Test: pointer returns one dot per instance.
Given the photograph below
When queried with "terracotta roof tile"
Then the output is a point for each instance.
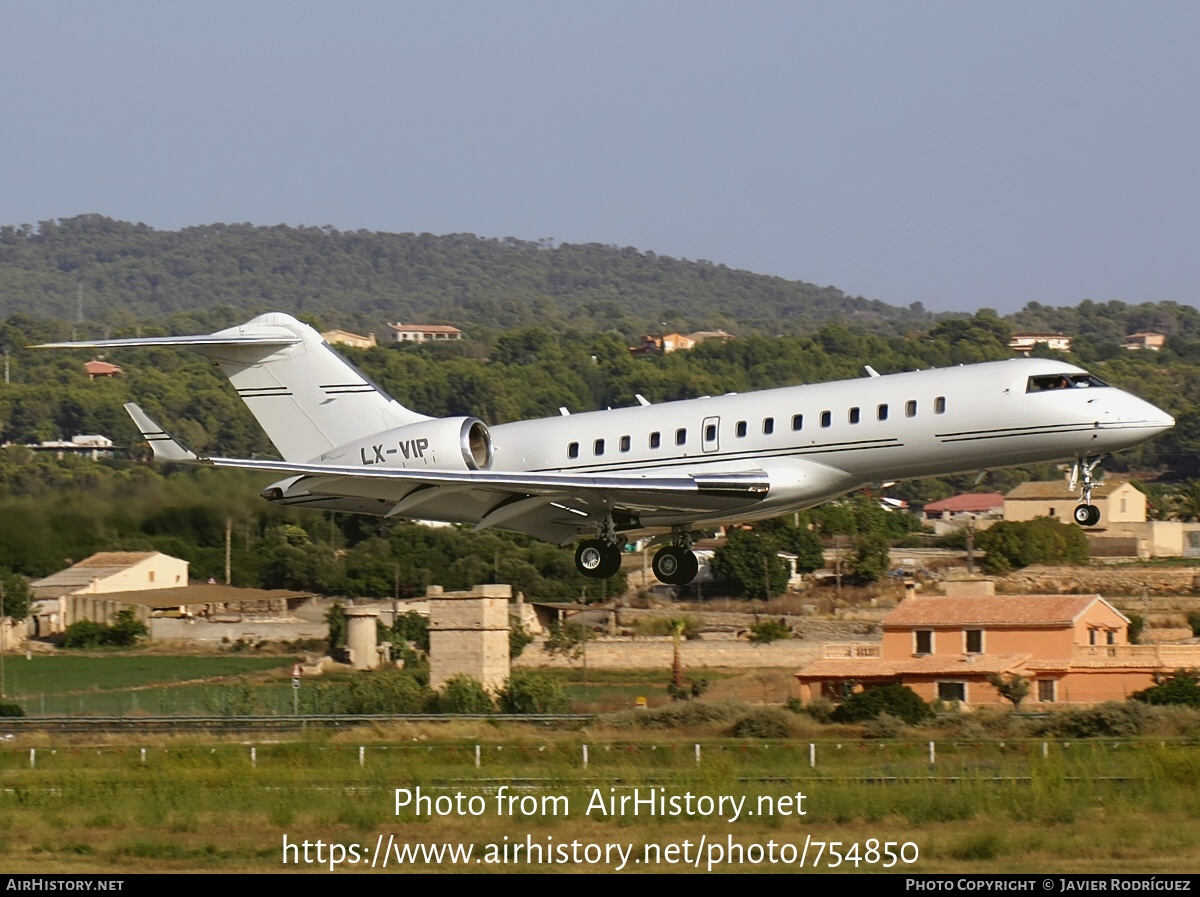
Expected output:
(995, 610)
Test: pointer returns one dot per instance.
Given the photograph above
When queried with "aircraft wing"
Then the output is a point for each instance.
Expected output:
(553, 506)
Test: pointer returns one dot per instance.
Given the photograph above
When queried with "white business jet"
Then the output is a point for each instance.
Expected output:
(664, 469)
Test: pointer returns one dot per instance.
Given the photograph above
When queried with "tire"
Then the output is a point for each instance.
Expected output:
(675, 566)
(689, 568)
(612, 561)
(590, 558)
(667, 564)
(1094, 517)
(1083, 515)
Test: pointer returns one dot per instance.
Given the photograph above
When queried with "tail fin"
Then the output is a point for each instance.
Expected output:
(305, 396)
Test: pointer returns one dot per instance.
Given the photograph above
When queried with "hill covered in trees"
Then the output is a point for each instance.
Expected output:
(126, 273)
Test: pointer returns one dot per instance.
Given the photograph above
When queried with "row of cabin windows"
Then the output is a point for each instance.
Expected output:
(854, 416)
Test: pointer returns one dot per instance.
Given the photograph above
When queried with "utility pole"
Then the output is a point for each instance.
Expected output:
(228, 551)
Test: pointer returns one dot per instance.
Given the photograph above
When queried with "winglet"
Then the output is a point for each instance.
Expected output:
(161, 442)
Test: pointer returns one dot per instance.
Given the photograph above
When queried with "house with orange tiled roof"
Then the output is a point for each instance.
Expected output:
(1075, 649)
(98, 368)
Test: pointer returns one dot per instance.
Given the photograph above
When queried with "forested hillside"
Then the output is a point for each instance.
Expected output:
(127, 273)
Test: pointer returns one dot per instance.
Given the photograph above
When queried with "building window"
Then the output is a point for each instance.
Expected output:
(1046, 691)
(681, 436)
(952, 691)
(741, 429)
(939, 405)
(974, 641)
(655, 439)
(626, 443)
(598, 447)
(1110, 637)
(152, 576)
(1091, 636)
(797, 421)
(573, 450)
(826, 418)
(923, 641)
(855, 414)
(881, 412)
(768, 426)
(910, 408)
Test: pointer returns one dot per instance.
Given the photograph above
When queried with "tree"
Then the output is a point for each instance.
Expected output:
(1012, 544)
(1014, 688)
(17, 598)
(126, 629)
(518, 639)
(567, 639)
(749, 562)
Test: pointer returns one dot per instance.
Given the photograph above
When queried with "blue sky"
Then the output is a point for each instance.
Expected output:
(957, 154)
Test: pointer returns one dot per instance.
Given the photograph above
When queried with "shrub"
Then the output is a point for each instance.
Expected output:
(1104, 720)
(10, 708)
(532, 692)
(766, 631)
(819, 709)
(898, 700)
(464, 694)
(518, 638)
(1182, 688)
(84, 634)
(679, 716)
(883, 726)
(764, 722)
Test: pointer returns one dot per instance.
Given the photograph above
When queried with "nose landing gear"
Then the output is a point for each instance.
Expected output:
(1085, 513)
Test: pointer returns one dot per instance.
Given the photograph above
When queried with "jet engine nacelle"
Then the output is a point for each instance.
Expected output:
(452, 443)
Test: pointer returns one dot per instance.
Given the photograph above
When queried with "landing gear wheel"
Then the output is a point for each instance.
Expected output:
(1086, 515)
(1095, 516)
(597, 559)
(675, 566)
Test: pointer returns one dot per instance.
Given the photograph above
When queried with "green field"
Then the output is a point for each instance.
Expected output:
(989, 807)
(117, 684)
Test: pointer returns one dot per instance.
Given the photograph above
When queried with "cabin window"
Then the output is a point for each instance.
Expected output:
(826, 418)
(974, 641)
(1046, 690)
(681, 436)
(710, 433)
(952, 691)
(598, 447)
(741, 429)
(768, 426)
(573, 450)
(910, 408)
(655, 439)
(923, 641)
(626, 443)
(939, 405)
(855, 415)
(881, 412)
(797, 421)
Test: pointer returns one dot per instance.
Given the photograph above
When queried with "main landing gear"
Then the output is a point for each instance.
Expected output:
(676, 565)
(600, 558)
(597, 558)
(1085, 513)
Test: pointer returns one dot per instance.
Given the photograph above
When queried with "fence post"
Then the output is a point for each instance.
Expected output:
(362, 755)
(477, 756)
(932, 754)
(585, 757)
(812, 754)
(254, 757)
(32, 757)
(697, 754)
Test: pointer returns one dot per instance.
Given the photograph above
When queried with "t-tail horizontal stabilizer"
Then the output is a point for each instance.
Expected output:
(161, 442)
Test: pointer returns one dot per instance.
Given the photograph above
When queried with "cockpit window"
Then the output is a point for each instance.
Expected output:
(1048, 382)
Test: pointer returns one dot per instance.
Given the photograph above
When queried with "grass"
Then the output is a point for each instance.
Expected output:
(205, 805)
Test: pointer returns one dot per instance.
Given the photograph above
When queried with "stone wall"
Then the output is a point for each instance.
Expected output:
(1104, 580)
